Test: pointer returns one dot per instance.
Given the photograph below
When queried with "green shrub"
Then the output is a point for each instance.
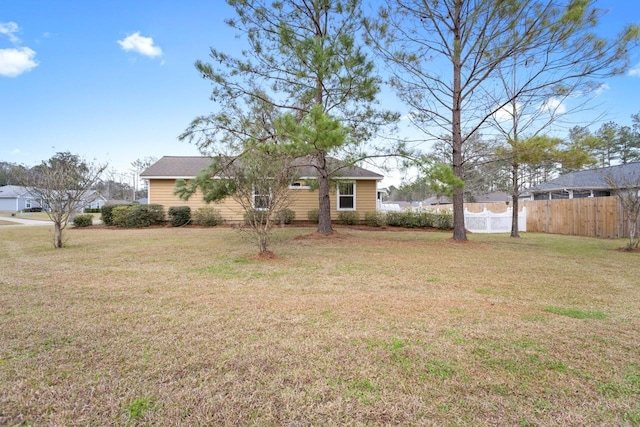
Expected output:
(107, 214)
(155, 212)
(286, 216)
(374, 219)
(442, 220)
(207, 217)
(314, 215)
(179, 215)
(256, 216)
(349, 217)
(137, 216)
(83, 220)
(92, 210)
(397, 219)
(118, 215)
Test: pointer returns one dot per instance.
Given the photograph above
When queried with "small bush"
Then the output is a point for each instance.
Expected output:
(255, 216)
(286, 216)
(314, 215)
(443, 220)
(374, 219)
(207, 217)
(83, 220)
(348, 217)
(398, 219)
(107, 214)
(92, 210)
(155, 212)
(179, 215)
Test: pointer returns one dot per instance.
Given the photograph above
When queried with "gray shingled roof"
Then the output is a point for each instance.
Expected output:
(13, 191)
(190, 166)
(625, 176)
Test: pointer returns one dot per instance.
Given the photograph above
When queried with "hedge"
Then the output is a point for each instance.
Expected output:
(207, 216)
(413, 219)
(179, 215)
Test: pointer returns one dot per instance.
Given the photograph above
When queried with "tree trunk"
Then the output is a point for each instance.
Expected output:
(459, 232)
(57, 235)
(514, 198)
(324, 202)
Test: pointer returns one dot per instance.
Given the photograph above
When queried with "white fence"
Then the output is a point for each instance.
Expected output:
(483, 222)
(489, 222)
(388, 207)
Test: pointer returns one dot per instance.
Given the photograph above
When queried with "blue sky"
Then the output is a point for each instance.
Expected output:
(114, 81)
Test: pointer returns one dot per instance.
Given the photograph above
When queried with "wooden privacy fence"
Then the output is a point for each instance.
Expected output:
(591, 217)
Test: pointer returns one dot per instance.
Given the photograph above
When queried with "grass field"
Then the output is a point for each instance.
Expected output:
(185, 327)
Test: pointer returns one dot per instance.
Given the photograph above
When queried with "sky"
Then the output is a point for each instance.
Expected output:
(114, 81)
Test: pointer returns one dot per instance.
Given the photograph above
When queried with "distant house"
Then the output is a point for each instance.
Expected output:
(94, 200)
(357, 189)
(494, 197)
(588, 183)
(15, 198)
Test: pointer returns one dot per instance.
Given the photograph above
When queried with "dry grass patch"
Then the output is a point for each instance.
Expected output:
(184, 326)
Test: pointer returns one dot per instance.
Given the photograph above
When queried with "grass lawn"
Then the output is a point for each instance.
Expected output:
(184, 327)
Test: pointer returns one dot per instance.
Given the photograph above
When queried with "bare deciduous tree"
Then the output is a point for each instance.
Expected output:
(628, 191)
(62, 183)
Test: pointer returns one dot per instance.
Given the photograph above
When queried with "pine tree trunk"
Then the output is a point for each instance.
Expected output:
(324, 202)
(459, 232)
(515, 184)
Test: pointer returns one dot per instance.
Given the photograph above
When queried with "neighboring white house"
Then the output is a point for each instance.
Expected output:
(15, 198)
(94, 200)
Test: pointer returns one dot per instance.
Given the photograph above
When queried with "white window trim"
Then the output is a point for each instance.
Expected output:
(253, 200)
(299, 187)
(355, 206)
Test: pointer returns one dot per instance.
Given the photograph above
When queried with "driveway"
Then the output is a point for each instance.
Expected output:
(23, 221)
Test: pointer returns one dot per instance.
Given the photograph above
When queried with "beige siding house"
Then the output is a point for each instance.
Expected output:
(355, 189)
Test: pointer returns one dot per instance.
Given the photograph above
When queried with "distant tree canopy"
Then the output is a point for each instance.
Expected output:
(11, 174)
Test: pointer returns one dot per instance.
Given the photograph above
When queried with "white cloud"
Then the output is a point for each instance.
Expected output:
(635, 71)
(140, 44)
(553, 106)
(14, 62)
(506, 113)
(602, 88)
(9, 29)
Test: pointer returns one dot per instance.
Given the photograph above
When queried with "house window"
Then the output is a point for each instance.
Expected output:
(299, 185)
(28, 204)
(261, 199)
(346, 196)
